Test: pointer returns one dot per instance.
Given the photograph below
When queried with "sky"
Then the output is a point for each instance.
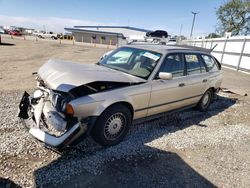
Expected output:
(54, 15)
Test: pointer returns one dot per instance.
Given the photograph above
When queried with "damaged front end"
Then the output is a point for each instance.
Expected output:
(56, 114)
(49, 117)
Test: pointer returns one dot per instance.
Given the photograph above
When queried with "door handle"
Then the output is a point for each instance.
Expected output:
(205, 80)
(181, 84)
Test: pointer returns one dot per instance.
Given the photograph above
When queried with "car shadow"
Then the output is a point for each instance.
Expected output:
(8, 183)
(132, 163)
(6, 44)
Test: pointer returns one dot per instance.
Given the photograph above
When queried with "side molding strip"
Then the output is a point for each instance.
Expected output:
(140, 109)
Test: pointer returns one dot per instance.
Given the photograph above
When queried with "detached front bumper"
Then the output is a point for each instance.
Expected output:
(31, 117)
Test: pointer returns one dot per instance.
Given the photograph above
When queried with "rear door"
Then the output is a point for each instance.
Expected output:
(196, 77)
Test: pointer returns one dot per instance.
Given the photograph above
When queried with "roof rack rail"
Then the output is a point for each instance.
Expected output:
(194, 47)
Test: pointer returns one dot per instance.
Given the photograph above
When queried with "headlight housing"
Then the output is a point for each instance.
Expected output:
(60, 102)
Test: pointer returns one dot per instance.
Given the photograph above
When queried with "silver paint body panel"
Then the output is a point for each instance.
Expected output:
(147, 97)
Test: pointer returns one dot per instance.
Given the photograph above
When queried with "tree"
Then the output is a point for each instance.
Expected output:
(234, 17)
(212, 35)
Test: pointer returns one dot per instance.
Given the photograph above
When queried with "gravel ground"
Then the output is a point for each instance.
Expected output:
(208, 149)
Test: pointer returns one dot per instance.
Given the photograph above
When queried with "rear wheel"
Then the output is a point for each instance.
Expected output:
(112, 126)
(205, 101)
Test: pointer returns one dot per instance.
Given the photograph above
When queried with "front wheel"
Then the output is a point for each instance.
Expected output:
(205, 101)
(112, 126)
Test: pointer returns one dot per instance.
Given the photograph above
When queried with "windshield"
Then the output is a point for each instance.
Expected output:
(137, 62)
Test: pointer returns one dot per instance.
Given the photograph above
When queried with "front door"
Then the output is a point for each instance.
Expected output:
(169, 94)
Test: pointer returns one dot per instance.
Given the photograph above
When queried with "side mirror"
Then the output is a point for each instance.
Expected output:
(165, 76)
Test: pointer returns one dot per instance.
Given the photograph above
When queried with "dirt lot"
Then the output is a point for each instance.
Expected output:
(187, 149)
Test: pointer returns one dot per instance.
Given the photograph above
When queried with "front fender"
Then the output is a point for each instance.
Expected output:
(89, 106)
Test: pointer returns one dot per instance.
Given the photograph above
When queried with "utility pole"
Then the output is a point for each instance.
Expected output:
(181, 29)
(194, 13)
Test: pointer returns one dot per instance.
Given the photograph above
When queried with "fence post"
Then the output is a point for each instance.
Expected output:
(82, 38)
(241, 53)
(211, 44)
(73, 40)
(222, 55)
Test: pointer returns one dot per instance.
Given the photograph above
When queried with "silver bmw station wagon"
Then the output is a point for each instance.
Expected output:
(133, 83)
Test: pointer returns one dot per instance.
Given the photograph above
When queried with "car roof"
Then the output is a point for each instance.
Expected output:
(168, 48)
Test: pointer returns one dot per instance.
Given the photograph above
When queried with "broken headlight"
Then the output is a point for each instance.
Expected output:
(60, 101)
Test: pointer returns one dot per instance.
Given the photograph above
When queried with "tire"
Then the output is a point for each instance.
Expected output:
(205, 101)
(112, 126)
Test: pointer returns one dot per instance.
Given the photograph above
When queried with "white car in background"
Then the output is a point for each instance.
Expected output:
(44, 35)
(172, 41)
(2, 31)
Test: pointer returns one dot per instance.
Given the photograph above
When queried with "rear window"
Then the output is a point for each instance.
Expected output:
(211, 64)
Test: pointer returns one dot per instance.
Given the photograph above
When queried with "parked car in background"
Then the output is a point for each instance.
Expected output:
(67, 36)
(14, 32)
(2, 31)
(133, 83)
(172, 41)
(157, 33)
(44, 35)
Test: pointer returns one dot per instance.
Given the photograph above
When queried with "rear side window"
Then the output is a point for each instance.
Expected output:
(211, 64)
(173, 64)
(194, 65)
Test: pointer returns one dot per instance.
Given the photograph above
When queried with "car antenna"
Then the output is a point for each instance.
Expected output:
(213, 47)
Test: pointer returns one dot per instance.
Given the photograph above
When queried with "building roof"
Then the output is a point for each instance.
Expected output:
(120, 31)
(94, 32)
(120, 27)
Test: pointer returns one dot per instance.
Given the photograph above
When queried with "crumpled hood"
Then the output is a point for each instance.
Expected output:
(63, 76)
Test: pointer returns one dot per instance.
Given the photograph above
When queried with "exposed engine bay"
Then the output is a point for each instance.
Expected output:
(49, 116)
